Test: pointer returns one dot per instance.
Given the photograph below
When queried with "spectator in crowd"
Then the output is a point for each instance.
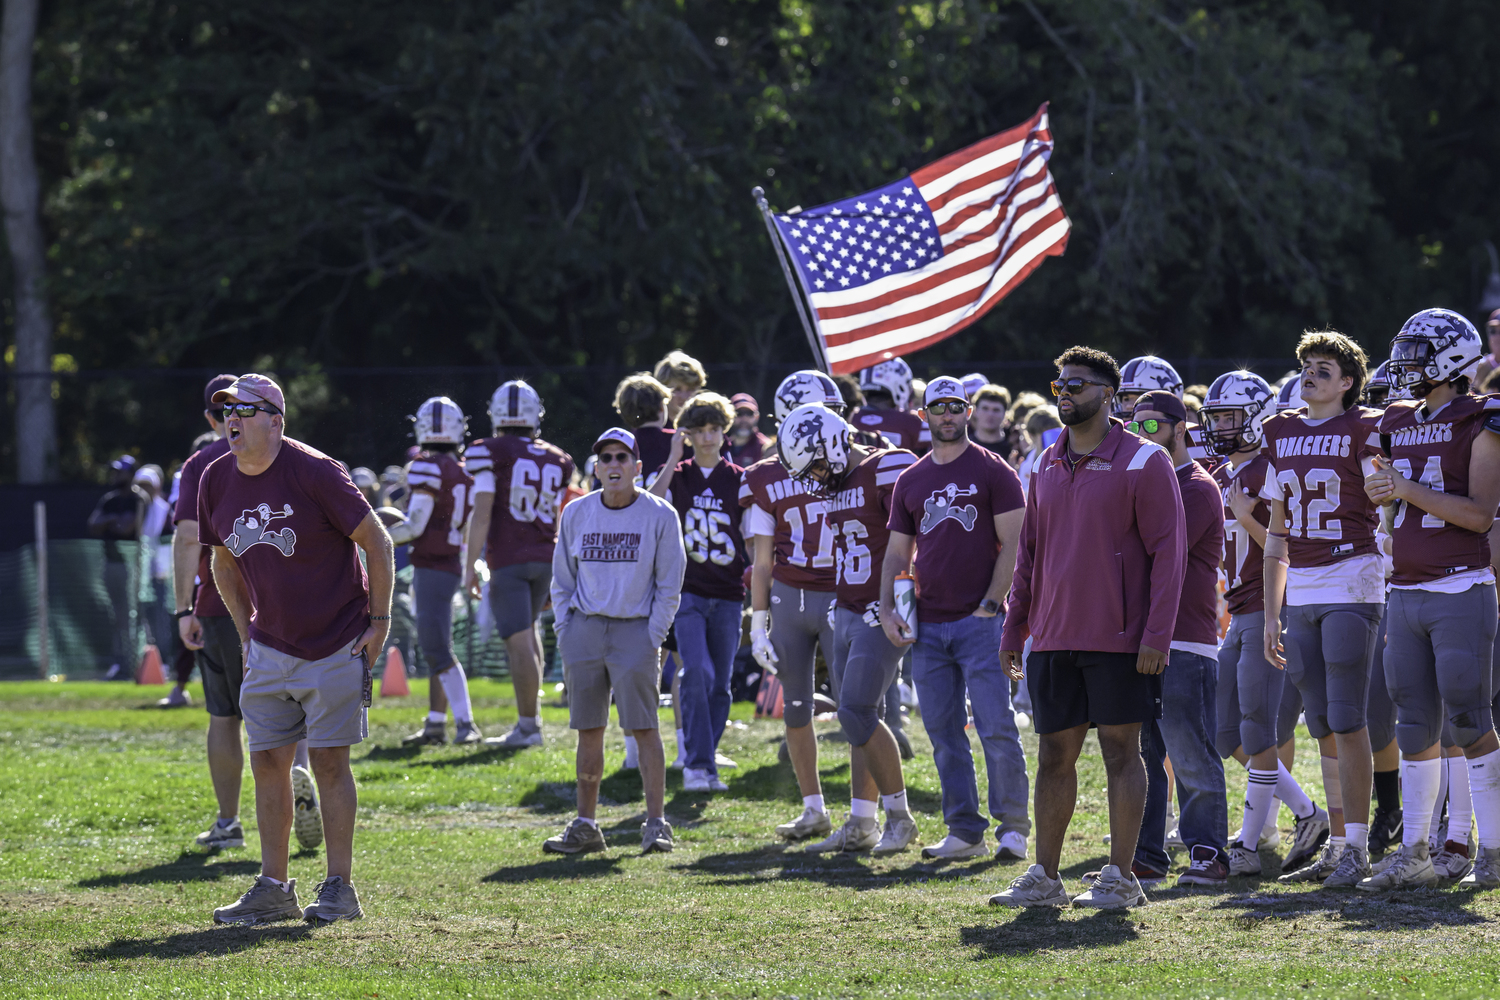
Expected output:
(1490, 363)
(641, 401)
(973, 382)
(747, 445)
(683, 376)
(987, 425)
(1015, 426)
(158, 564)
(1042, 428)
(117, 518)
(616, 585)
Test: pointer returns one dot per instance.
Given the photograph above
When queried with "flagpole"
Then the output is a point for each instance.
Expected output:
(820, 354)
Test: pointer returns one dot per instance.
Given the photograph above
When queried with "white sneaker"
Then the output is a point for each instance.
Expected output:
(1112, 890)
(1486, 871)
(1034, 888)
(951, 848)
(724, 763)
(516, 738)
(1242, 860)
(857, 834)
(812, 823)
(1410, 868)
(698, 780)
(1012, 846)
(307, 818)
(1022, 720)
(1453, 861)
(899, 834)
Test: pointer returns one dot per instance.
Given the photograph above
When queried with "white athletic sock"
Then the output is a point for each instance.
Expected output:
(632, 753)
(895, 803)
(1460, 804)
(436, 717)
(227, 823)
(1484, 788)
(1357, 834)
(1338, 844)
(589, 822)
(863, 808)
(456, 687)
(1259, 792)
(1442, 797)
(1419, 789)
(1333, 792)
(283, 886)
(1273, 811)
(1288, 791)
(814, 802)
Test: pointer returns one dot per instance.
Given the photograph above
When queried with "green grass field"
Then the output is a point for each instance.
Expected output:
(100, 793)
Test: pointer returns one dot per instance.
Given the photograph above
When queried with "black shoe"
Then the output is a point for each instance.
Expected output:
(903, 744)
(1385, 830)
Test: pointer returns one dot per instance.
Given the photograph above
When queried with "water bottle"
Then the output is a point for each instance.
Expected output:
(906, 602)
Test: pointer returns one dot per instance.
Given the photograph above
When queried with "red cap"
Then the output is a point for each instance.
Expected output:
(252, 388)
(745, 401)
(1161, 401)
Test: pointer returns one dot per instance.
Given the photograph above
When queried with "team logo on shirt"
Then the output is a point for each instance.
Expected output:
(940, 506)
(610, 546)
(253, 527)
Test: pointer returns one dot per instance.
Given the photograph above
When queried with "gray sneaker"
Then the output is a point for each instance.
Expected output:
(307, 818)
(1486, 871)
(336, 900)
(1307, 836)
(656, 836)
(218, 837)
(1112, 890)
(1353, 868)
(1242, 860)
(1453, 861)
(812, 823)
(264, 903)
(516, 738)
(899, 834)
(1409, 868)
(578, 838)
(1317, 870)
(859, 833)
(433, 734)
(467, 733)
(1033, 888)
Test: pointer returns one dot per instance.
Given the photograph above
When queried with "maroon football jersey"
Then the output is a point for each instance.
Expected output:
(1244, 559)
(441, 474)
(1316, 470)
(528, 478)
(858, 514)
(902, 428)
(803, 539)
(711, 514)
(1197, 449)
(1434, 450)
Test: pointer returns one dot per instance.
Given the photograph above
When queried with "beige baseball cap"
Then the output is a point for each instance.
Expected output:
(253, 388)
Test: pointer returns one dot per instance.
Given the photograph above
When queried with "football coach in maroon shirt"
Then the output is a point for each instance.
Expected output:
(1098, 575)
(285, 522)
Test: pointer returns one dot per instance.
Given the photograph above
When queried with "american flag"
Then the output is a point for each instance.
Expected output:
(906, 265)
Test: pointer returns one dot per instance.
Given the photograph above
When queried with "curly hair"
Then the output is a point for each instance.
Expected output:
(1101, 364)
(1337, 347)
(681, 369)
(639, 399)
(705, 409)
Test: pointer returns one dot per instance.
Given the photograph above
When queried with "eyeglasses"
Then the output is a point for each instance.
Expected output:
(1148, 426)
(943, 406)
(607, 457)
(246, 410)
(1072, 386)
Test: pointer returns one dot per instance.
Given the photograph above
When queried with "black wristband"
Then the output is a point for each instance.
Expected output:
(380, 618)
(183, 613)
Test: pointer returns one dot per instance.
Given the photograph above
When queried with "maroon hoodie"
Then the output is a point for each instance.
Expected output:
(1102, 550)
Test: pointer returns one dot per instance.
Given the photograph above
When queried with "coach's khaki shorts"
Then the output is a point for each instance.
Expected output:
(284, 699)
(602, 654)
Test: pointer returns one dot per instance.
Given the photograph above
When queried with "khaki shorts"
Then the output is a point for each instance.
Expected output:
(602, 654)
(284, 699)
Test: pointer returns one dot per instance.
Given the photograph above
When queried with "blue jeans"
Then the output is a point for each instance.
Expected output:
(948, 659)
(1185, 732)
(708, 633)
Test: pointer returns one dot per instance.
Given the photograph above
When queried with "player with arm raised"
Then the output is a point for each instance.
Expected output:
(519, 481)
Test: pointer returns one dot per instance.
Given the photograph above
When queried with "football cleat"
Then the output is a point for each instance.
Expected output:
(1410, 867)
(1308, 835)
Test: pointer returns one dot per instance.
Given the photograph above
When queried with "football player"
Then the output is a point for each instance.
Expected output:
(1322, 566)
(436, 516)
(1250, 689)
(519, 483)
(856, 483)
(1147, 374)
(1438, 482)
(887, 391)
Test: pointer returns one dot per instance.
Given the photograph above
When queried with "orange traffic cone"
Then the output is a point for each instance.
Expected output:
(393, 681)
(151, 672)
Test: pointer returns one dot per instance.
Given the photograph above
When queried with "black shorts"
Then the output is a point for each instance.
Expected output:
(221, 662)
(1070, 689)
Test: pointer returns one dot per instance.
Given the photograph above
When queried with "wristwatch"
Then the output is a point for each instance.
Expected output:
(183, 613)
(990, 605)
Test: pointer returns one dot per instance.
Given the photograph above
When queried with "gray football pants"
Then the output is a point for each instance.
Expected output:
(867, 665)
(799, 622)
(1251, 689)
(1437, 664)
(1328, 650)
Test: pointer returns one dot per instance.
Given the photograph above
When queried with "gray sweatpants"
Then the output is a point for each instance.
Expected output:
(1250, 689)
(433, 590)
(799, 620)
(867, 665)
(1437, 665)
(1328, 649)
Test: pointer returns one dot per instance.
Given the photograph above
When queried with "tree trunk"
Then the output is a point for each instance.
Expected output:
(20, 196)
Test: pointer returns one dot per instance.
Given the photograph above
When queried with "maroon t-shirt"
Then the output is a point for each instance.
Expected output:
(442, 476)
(859, 513)
(710, 511)
(902, 428)
(208, 603)
(1203, 515)
(950, 510)
(288, 529)
(655, 444)
(1244, 559)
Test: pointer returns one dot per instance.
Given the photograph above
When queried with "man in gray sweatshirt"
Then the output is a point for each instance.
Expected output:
(616, 583)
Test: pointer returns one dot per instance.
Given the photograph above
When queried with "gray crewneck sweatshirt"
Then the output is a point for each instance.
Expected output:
(625, 563)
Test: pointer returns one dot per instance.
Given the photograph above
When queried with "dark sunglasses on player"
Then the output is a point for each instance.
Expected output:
(943, 406)
(1148, 426)
(246, 410)
(1072, 386)
(607, 457)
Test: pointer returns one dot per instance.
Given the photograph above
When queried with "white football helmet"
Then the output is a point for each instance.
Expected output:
(810, 433)
(440, 421)
(1144, 374)
(807, 386)
(1434, 346)
(1378, 385)
(516, 404)
(973, 382)
(893, 376)
(1290, 395)
(1242, 391)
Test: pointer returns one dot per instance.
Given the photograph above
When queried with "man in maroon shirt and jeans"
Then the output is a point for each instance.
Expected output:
(1189, 687)
(1097, 580)
(284, 521)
